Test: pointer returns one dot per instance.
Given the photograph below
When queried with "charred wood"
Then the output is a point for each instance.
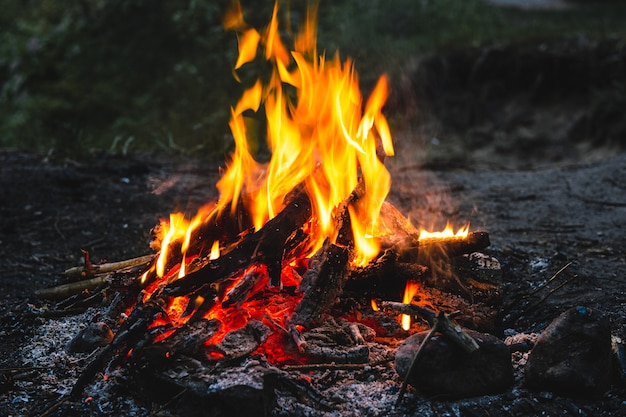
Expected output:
(433, 250)
(383, 278)
(245, 287)
(266, 246)
(238, 344)
(351, 354)
(442, 322)
(322, 283)
(186, 340)
(128, 337)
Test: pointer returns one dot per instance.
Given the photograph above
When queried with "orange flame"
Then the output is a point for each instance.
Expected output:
(409, 292)
(321, 134)
(323, 137)
(446, 233)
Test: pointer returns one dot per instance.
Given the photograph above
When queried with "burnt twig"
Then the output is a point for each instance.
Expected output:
(405, 382)
(72, 288)
(335, 366)
(444, 323)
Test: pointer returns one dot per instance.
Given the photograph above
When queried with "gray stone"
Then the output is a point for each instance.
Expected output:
(572, 356)
(446, 370)
(93, 336)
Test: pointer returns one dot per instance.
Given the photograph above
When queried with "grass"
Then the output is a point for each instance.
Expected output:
(124, 75)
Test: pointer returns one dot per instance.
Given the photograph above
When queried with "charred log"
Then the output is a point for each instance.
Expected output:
(433, 250)
(130, 335)
(266, 246)
(322, 283)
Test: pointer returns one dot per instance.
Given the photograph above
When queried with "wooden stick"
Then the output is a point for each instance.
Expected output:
(90, 270)
(430, 250)
(444, 323)
(335, 366)
(65, 290)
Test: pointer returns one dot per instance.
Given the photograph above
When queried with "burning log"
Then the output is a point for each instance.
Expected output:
(432, 250)
(322, 283)
(266, 246)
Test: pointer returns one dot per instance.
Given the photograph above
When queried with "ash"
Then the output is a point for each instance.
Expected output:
(50, 372)
(370, 390)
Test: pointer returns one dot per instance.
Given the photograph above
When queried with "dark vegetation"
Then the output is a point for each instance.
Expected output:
(124, 75)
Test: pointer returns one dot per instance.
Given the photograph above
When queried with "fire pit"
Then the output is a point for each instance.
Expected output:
(300, 277)
(290, 261)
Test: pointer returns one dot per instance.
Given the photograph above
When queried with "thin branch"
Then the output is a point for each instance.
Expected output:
(90, 270)
(556, 274)
(334, 366)
(65, 290)
(417, 355)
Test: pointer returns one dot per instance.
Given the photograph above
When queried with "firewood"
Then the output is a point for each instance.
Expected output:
(432, 250)
(266, 246)
(72, 288)
(322, 283)
(443, 321)
(91, 269)
(126, 339)
(245, 286)
(343, 354)
(384, 277)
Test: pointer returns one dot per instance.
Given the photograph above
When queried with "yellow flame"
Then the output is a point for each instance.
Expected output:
(321, 135)
(172, 231)
(447, 233)
(409, 292)
(366, 246)
(215, 250)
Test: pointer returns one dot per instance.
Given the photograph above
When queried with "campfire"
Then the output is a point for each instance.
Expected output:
(301, 260)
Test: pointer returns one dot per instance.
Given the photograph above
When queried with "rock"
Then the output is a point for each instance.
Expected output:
(93, 336)
(572, 356)
(446, 370)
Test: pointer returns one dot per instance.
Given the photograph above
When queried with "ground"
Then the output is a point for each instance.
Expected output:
(544, 208)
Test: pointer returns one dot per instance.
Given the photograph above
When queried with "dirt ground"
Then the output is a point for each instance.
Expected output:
(544, 209)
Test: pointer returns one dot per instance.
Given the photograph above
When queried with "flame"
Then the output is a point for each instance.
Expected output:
(322, 134)
(215, 250)
(409, 291)
(323, 137)
(447, 233)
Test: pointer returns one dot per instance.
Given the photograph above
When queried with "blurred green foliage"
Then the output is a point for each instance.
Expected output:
(81, 73)
(142, 74)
